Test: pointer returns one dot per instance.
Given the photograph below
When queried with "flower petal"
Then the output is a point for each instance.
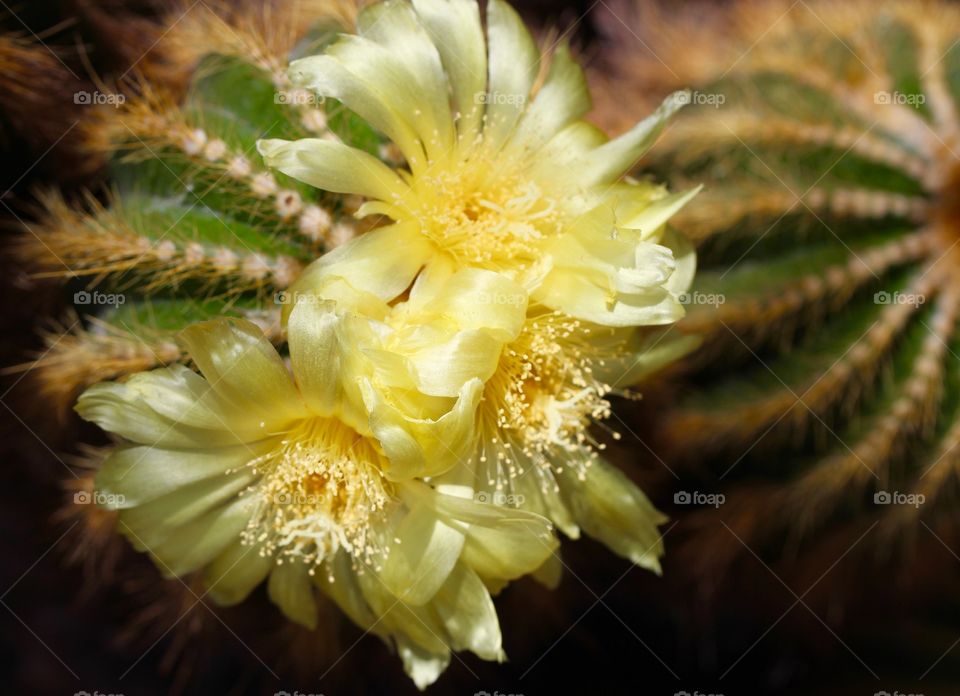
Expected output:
(609, 278)
(422, 666)
(648, 217)
(340, 583)
(383, 263)
(235, 572)
(418, 447)
(502, 543)
(563, 99)
(612, 160)
(243, 368)
(327, 76)
(396, 28)
(421, 558)
(316, 354)
(133, 476)
(196, 543)
(465, 60)
(610, 507)
(125, 409)
(513, 63)
(332, 166)
(290, 589)
(464, 607)
(155, 521)
(470, 298)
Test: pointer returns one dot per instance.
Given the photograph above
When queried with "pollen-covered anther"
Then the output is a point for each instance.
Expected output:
(321, 488)
(480, 221)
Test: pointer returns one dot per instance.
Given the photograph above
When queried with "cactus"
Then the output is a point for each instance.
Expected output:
(192, 226)
(824, 394)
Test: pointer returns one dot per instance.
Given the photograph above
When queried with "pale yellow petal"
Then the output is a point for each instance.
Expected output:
(685, 256)
(196, 543)
(563, 98)
(609, 277)
(382, 263)
(235, 573)
(610, 507)
(291, 589)
(423, 552)
(513, 61)
(465, 60)
(157, 520)
(468, 615)
(566, 147)
(551, 572)
(446, 364)
(339, 581)
(395, 26)
(244, 368)
(327, 76)
(576, 295)
(648, 217)
(615, 158)
(470, 298)
(333, 166)
(418, 447)
(316, 354)
(124, 409)
(422, 666)
(502, 542)
(132, 476)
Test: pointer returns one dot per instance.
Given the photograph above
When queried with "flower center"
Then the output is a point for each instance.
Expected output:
(321, 488)
(485, 217)
(541, 402)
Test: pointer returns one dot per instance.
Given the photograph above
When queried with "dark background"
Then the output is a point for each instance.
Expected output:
(610, 628)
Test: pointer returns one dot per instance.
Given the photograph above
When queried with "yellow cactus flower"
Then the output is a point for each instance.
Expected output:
(312, 476)
(544, 387)
(500, 174)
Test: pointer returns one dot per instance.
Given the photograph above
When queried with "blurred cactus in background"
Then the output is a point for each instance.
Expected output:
(823, 403)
